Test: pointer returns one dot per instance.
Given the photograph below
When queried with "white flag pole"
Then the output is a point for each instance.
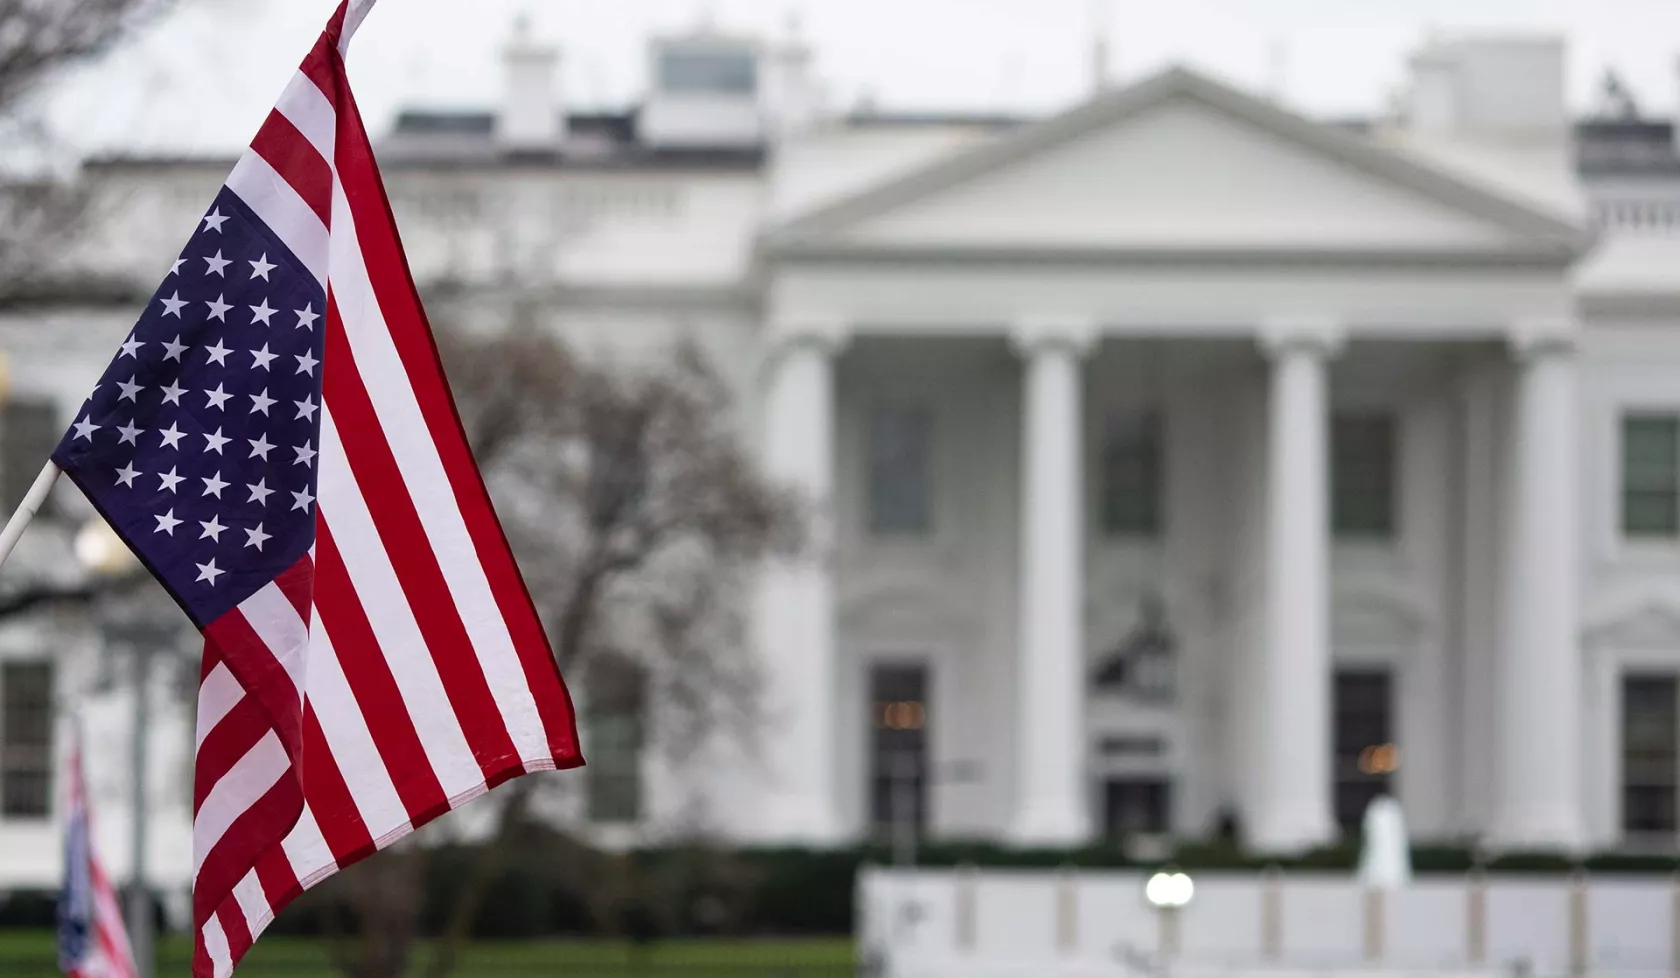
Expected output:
(32, 501)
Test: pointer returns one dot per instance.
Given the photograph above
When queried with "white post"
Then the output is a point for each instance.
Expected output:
(1050, 723)
(1292, 798)
(795, 614)
(1537, 780)
(32, 500)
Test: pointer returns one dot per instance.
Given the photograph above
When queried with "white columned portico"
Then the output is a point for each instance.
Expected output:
(1537, 803)
(1291, 807)
(795, 620)
(1051, 807)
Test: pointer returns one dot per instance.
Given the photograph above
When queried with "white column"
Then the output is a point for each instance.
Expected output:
(795, 613)
(1050, 721)
(1537, 782)
(1292, 806)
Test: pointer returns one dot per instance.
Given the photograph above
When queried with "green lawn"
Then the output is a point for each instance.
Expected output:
(30, 954)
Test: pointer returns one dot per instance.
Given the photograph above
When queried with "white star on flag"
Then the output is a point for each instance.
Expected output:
(260, 447)
(256, 538)
(262, 358)
(208, 572)
(306, 363)
(301, 500)
(172, 435)
(172, 305)
(212, 529)
(261, 267)
(218, 353)
(126, 474)
(219, 307)
(217, 397)
(213, 485)
(260, 492)
(131, 347)
(128, 433)
(216, 265)
(305, 454)
(261, 313)
(307, 316)
(130, 390)
(214, 221)
(170, 479)
(85, 429)
(214, 443)
(172, 393)
(261, 402)
(167, 523)
(306, 409)
(173, 349)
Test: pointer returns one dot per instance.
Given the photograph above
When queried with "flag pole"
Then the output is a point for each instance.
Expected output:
(32, 501)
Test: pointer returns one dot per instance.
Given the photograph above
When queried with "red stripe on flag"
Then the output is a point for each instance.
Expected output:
(253, 664)
(416, 564)
(258, 827)
(373, 685)
(234, 928)
(393, 287)
(298, 162)
(335, 811)
(274, 871)
(297, 583)
(223, 746)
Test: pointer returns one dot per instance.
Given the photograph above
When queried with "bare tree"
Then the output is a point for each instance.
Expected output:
(637, 517)
(39, 212)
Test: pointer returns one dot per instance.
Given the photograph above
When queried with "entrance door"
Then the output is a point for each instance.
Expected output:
(1365, 754)
(898, 758)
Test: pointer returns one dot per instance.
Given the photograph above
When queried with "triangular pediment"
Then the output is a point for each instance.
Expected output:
(1181, 163)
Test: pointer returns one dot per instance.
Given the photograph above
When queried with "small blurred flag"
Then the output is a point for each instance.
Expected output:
(91, 940)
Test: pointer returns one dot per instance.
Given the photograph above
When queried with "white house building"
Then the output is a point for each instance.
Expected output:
(1188, 465)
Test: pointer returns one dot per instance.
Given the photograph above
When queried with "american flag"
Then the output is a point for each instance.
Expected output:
(92, 942)
(276, 441)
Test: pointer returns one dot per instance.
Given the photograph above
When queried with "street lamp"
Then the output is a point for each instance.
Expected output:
(104, 554)
(1169, 892)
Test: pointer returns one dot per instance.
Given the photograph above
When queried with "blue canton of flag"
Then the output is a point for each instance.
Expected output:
(199, 442)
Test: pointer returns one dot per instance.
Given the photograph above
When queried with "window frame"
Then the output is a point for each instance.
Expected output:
(924, 524)
(1147, 453)
(42, 767)
(1626, 785)
(1344, 528)
(1626, 418)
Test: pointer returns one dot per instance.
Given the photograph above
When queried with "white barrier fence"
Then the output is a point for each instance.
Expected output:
(1003, 923)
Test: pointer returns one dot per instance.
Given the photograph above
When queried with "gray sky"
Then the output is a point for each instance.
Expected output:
(204, 78)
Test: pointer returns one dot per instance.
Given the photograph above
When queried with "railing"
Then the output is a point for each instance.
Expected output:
(1639, 215)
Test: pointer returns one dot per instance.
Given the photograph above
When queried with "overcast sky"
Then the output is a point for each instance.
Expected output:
(204, 78)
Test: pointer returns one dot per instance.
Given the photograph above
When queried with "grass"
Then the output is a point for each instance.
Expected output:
(31, 954)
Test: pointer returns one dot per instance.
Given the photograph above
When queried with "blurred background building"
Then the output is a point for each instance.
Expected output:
(1190, 466)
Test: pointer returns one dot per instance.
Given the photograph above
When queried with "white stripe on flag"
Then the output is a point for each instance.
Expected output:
(277, 205)
(386, 380)
(215, 943)
(253, 903)
(241, 787)
(306, 849)
(348, 738)
(217, 696)
(307, 108)
(275, 620)
(345, 512)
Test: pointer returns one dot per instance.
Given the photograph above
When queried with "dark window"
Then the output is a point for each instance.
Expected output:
(26, 726)
(1362, 474)
(900, 489)
(1651, 475)
(898, 765)
(1365, 755)
(616, 717)
(29, 431)
(1136, 806)
(708, 72)
(1142, 666)
(1131, 475)
(1650, 738)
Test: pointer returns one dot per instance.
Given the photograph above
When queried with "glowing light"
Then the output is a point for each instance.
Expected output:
(1171, 890)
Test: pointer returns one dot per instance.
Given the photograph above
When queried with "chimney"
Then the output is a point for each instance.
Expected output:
(532, 118)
